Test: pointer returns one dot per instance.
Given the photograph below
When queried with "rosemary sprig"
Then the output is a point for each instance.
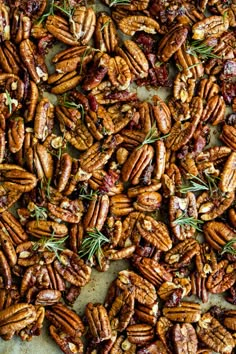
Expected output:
(229, 247)
(45, 186)
(212, 182)
(194, 186)
(88, 196)
(92, 245)
(184, 220)
(9, 101)
(37, 212)
(87, 51)
(49, 13)
(151, 137)
(105, 24)
(196, 48)
(71, 104)
(119, 2)
(52, 244)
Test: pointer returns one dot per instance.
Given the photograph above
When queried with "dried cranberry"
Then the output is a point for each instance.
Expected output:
(231, 119)
(175, 298)
(146, 42)
(228, 91)
(108, 181)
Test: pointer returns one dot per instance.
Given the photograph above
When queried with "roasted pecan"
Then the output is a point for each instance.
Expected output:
(208, 88)
(210, 26)
(212, 206)
(9, 297)
(9, 59)
(214, 110)
(228, 136)
(152, 270)
(122, 310)
(181, 254)
(119, 73)
(65, 319)
(83, 23)
(162, 115)
(184, 338)
(44, 228)
(121, 205)
(5, 271)
(222, 278)
(59, 28)
(72, 268)
(228, 176)
(155, 232)
(190, 64)
(198, 286)
(140, 333)
(135, 58)
(70, 59)
(64, 209)
(64, 82)
(43, 120)
(179, 207)
(96, 213)
(186, 312)
(99, 324)
(214, 335)
(168, 289)
(48, 297)
(15, 318)
(99, 123)
(144, 291)
(131, 24)
(171, 42)
(230, 319)
(106, 38)
(217, 234)
(148, 201)
(67, 343)
(33, 329)
(147, 314)
(16, 177)
(33, 61)
(8, 248)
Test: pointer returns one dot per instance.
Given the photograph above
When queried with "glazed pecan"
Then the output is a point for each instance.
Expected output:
(9, 297)
(152, 270)
(135, 58)
(96, 213)
(67, 343)
(214, 110)
(222, 278)
(230, 319)
(33, 61)
(122, 310)
(8, 248)
(162, 115)
(155, 232)
(131, 24)
(184, 338)
(140, 333)
(186, 312)
(144, 291)
(182, 253)
(43, 120)
(210, 26)
(228, 136)
(99, 324)
(63, 82)
(212, 206)
(9, 59)
(17, 178)
(65, 319)
(148, 201)
(214, 335)
(15, 318)
(228, 177)
(105, 34)
(119, 73)
(179, 207)
(48, 297)
(83, 23)
(217, 234)
(72, 268)
(171, 42)
(45, 228)
(136, 163)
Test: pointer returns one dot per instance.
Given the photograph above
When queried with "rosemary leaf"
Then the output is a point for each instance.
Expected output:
(49, 13)
(198, 48)
(119, 2)
(151, 137)
(105, 24)
(92, 245)
(52, 244)
(184, 220)
(88, 196)
(194, 186)
(37, 212)
(229, 247)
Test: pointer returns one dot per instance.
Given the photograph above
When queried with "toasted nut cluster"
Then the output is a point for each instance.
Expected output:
(92, 173)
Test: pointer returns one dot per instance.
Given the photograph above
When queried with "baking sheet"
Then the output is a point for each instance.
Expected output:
(95, 291)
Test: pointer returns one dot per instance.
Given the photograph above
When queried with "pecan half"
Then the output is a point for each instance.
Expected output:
(184, 338)
(214, 335)
(99, 324)
(210, 26)
(186, 312)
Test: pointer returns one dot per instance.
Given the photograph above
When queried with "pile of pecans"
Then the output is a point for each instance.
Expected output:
(102, 175)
